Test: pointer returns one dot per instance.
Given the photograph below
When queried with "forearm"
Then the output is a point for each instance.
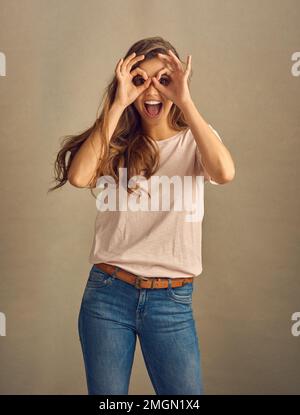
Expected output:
(214, 155)
(85, 161)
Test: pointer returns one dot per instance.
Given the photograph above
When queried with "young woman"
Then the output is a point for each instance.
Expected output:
(144, 261)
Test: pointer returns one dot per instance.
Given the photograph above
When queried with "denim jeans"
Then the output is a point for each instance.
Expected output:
(113, 313)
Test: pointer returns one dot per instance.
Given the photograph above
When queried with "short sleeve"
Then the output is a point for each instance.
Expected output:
(200, 166)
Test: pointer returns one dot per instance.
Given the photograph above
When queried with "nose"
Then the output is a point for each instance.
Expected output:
(151, 86)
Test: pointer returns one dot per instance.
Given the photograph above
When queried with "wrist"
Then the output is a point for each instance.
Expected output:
(118, 106)
(186, 104)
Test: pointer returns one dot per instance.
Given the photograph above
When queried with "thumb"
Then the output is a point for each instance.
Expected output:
(159, 86)
(145, 85)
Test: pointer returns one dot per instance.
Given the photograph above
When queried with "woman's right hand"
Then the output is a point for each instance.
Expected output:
(127, 92)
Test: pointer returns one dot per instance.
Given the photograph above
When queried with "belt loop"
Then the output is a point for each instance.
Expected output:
(169, 283)
(115, 271)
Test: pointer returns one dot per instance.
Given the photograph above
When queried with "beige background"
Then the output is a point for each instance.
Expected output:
(60, 56)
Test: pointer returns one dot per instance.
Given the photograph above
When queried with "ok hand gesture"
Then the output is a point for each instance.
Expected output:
(177, 90)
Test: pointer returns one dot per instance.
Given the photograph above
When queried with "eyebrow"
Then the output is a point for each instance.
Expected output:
(156, 72)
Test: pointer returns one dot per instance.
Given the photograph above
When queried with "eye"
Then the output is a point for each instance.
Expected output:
(138, 80)
(164, 80)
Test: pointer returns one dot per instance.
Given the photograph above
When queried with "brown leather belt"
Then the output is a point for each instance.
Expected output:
(142, 282)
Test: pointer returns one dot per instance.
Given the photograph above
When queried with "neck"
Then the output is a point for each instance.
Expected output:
(160, 131)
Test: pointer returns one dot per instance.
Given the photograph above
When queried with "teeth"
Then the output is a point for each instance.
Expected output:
(152, 102)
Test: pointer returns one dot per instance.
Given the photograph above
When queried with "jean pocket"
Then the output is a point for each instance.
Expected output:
(181, 294)
(98, 278)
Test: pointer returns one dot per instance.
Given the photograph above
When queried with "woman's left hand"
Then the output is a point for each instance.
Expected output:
(177, 90)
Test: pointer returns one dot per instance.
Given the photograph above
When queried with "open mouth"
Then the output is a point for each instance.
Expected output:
(153, 110)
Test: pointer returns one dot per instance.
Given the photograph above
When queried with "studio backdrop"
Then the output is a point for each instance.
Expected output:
(56, 58)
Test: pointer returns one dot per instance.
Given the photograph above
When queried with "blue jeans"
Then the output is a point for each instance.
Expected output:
(113, 312)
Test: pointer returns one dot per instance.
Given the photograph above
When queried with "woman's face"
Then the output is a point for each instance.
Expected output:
(152, 67)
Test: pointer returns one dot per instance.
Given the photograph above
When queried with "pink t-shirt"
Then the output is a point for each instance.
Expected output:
(166, 242)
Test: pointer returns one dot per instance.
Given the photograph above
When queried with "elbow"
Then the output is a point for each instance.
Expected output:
(227, 176)
(76, 181)
(224, 176)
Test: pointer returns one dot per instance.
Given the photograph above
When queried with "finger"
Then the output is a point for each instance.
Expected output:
(162, 89)
(175, 59)
(189, 65)
(126, 60)
(158, 85)
(145, 85)
(139, 71)
(167, 60)
(169, 66)
(117, 69)
(164, 71)
(134, 61)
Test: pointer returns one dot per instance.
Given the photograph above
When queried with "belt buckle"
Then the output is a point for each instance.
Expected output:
(137, 281)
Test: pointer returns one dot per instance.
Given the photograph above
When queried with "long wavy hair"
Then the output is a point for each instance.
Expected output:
(129, 147)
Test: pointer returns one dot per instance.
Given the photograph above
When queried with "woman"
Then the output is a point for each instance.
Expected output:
(144, 261)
